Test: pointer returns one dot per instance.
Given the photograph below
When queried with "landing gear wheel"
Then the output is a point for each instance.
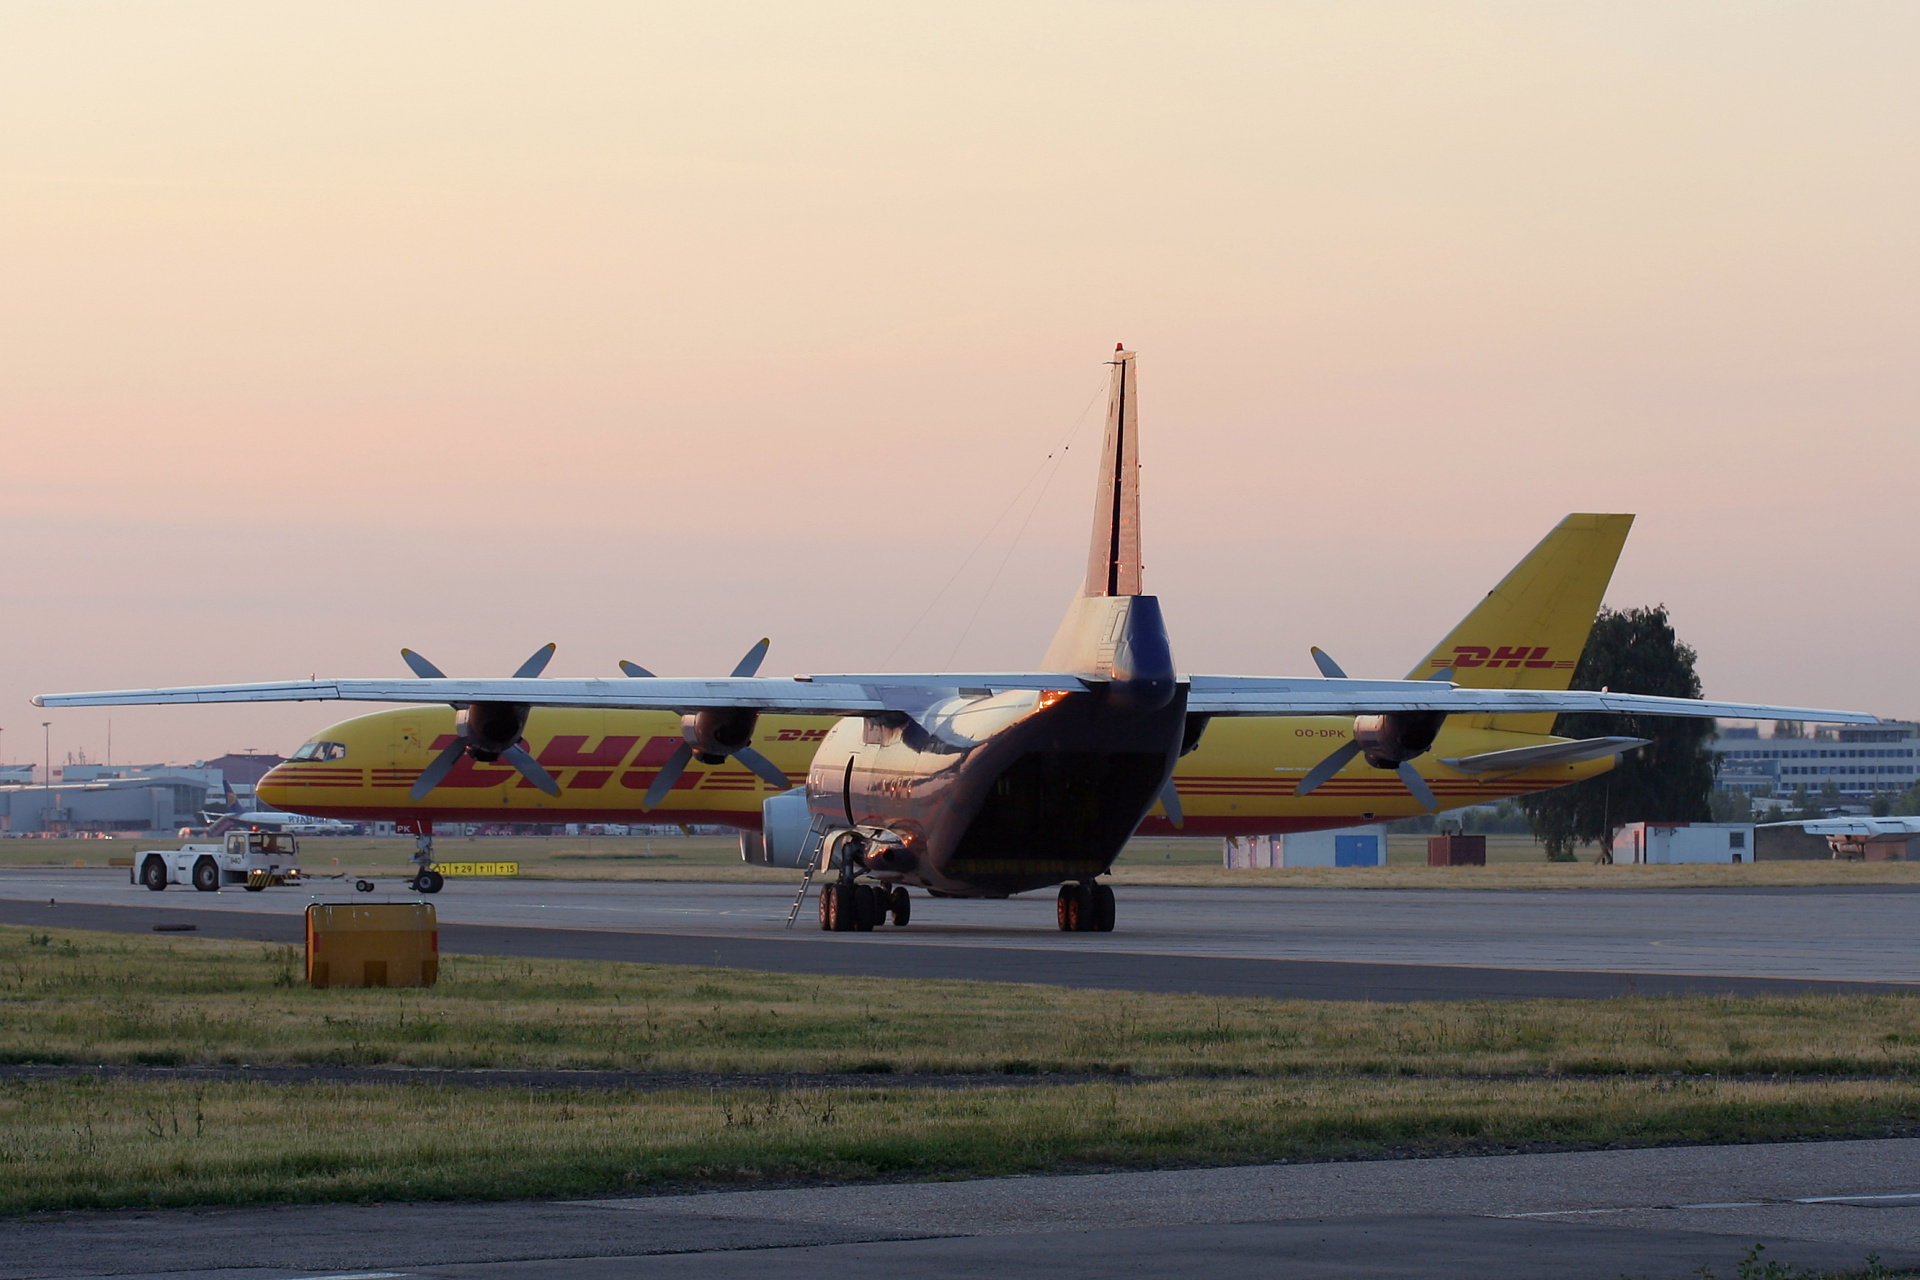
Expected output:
(1103, 908)
(841, 909)
(901, 905)
(826, 908)
(206, 876)
(872, 906)
(364, 886)
(153, 874)
(1074, 910)
(434, 882)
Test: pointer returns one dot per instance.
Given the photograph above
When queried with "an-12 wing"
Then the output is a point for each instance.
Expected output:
(1268, 696)
(841, 695)
(790, 696)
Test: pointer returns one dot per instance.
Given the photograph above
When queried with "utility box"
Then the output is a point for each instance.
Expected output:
(1456, 851)
(1665, 843)
(372, 944)
(1348, 847)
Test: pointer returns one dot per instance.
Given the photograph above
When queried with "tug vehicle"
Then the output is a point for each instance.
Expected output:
(251, 859)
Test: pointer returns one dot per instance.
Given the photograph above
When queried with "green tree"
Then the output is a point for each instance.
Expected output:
(1670, 779)
(1730, 805)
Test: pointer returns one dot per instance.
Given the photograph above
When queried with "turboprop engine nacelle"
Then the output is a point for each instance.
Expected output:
(717, 734)
(1388, 740)
(490, 728)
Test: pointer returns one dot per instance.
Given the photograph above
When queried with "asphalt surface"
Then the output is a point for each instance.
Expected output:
(1382, 945)
(1656, 1213)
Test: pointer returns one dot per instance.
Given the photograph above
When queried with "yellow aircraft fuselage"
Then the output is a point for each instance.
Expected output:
(1238, 781)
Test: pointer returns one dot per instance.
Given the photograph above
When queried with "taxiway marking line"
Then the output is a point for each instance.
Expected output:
(1716, 1204)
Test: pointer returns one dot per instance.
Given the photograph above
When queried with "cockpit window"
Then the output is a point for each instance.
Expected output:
(321, 751)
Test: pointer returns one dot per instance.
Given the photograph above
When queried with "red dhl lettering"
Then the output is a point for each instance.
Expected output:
(1479, 655)
(800, 735)
(565, 752)
(470, 772)
(647, 766)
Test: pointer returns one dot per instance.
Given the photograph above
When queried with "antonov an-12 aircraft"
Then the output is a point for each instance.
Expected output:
(984, 784)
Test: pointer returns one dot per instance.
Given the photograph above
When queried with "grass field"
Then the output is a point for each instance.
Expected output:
(1513, 862)
(1193, 1080)
(85, 1143)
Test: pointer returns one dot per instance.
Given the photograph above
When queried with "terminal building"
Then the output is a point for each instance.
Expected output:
(102, 806)
(99, 799)
(1857, 760)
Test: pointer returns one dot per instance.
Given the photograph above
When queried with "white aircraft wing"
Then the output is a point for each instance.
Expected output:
(1268, 696)
(800, 696)
(840, 695)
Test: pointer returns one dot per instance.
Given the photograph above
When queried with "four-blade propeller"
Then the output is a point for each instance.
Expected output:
(730, 737)
(487, 731)
(1344, 754)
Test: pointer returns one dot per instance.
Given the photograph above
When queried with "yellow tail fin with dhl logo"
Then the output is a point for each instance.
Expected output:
(1529, 631)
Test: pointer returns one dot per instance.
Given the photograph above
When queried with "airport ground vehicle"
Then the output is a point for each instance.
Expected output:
(251, 859)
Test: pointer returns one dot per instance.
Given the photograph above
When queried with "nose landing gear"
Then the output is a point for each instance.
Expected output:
(1085, 908)
(426, 879)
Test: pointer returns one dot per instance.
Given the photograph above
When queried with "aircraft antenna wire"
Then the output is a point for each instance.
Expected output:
(1057, 452)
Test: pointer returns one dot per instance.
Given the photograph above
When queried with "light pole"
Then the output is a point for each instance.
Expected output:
(46, 729)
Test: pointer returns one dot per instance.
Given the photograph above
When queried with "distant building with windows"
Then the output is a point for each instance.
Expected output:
(1858, 760)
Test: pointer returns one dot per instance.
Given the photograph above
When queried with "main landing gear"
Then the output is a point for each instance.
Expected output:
(847, 907)
(1085, 908)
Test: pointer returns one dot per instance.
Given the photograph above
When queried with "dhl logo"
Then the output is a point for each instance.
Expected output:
(1480, 655)
(592, 769)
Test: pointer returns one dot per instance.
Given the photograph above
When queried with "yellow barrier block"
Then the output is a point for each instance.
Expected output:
(477, 868)
(372, 944)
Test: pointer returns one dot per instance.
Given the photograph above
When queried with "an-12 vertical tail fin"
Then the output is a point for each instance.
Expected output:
(1113, 559)
(1113, 630)
(1529, 630)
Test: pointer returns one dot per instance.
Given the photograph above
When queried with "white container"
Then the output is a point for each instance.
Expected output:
(1666, 843)
(1346, 847)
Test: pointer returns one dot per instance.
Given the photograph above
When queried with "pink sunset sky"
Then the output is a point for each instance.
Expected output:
(652, 329)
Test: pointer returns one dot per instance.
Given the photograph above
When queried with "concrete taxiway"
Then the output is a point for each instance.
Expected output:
(1338, 944)
(1657, 1213)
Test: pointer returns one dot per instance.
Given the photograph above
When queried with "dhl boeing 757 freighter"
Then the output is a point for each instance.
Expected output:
(983, 784)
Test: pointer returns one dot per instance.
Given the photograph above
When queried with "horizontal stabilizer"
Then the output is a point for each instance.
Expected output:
(1578, 751)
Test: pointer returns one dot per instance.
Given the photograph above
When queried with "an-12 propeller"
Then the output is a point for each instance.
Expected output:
(713, 736)
(487, 731)
(1343, 754)
(490, 731)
